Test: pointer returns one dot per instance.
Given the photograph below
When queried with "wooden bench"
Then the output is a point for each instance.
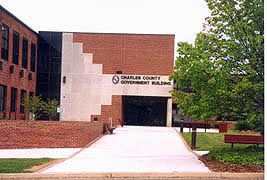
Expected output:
(121, 122)
(243, 139)
(205, 125)
(107, 127)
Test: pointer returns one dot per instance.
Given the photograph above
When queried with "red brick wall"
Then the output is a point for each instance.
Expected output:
(130, 53)
(14, 80)
(114, 111)
(47, 134)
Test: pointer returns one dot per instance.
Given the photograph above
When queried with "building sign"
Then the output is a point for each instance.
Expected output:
(115, 79)
(139, 80)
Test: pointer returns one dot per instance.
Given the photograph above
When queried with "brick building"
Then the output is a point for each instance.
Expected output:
(102, 76)
(94, 76)
(17, 64)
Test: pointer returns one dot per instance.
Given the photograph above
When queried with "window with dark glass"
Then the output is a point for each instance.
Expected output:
(15, 50)
(33, 57)
(2, 98)
(4, 49)
(49, 65)
(24, 53)
(22, 95)
(13, 99)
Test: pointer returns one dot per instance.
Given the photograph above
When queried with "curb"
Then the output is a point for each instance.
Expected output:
(133, 175)
(214, 175)
(185, 143)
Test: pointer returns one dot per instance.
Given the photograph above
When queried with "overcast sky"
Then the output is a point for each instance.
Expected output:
(184, 18)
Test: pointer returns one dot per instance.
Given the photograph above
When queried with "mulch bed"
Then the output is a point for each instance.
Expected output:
(216, 166)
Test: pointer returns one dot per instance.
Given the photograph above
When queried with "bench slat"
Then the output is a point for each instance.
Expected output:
(243, 139)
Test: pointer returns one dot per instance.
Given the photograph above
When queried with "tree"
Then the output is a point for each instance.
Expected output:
(222, 74)
(50, 108)
(33, 104)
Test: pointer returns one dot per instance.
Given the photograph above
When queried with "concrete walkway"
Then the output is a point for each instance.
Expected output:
(134, 149)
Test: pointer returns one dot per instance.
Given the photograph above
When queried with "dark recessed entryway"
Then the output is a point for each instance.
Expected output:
(145, 110)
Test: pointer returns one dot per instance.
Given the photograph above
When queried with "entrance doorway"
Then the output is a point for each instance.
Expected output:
(145, 110)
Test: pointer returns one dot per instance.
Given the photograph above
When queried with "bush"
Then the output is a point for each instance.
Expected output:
(253, 124)
(242, 126)
(50, 108)
(35, 106)
(250, 155)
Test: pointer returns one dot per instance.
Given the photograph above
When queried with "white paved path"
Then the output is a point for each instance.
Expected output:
(134, 149)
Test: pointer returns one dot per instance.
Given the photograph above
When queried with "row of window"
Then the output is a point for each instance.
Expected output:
(15, 49)
(13, 98)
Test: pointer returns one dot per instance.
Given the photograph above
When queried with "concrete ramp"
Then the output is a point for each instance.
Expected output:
(134, 149)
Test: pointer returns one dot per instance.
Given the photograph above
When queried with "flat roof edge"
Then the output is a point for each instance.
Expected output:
(17, 19)
(158, 34)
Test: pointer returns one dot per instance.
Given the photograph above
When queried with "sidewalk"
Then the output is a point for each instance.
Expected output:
(133, 149)
(56, 153)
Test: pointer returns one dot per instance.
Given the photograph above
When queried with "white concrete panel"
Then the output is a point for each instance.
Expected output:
(67, 68)
(67, 47)
(66, 87)
(78, 67)
(68, 56)
(66, 98)
(106, 99)
(66, 111)
(77, 50)
(169, 112)
(76, 98)
(97, 68)
(88, 58)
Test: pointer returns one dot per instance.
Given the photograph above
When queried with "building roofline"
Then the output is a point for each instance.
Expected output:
(109, 33)
(17, 19)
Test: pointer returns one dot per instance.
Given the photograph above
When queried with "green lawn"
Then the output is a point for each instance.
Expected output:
(240, 154)
(20, 165)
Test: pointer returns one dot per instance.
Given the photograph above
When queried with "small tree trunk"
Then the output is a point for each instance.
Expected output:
(31, 116)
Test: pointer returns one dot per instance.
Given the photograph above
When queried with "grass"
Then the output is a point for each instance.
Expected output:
(240, 154)
(206, 141)
(20, 165)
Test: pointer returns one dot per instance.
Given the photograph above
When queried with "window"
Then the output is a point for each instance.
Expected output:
(24, 53)
(2, 98)
(13, 99)
(33, 57)
(15, 50)
(4, 49)
(22, 95)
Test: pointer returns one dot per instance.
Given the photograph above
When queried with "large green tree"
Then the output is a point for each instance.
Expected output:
(222, 73)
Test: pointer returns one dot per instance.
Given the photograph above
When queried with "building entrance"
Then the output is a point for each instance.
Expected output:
(145, 110)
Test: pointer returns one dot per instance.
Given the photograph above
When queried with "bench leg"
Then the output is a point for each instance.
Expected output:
(232, 145)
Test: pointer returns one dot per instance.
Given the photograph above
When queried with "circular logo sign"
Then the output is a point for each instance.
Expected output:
(115, 79)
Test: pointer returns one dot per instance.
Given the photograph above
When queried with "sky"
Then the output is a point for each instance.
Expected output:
(184, 18)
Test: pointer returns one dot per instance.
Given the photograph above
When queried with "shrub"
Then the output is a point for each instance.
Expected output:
(50, 108)
(33, 104)
(250, 155)
(242, 126)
